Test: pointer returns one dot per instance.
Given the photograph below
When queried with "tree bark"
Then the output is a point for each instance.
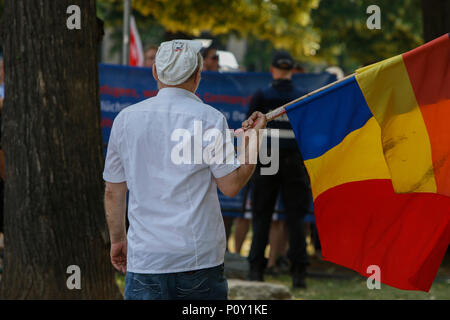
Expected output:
(52, 141)
(436, 21)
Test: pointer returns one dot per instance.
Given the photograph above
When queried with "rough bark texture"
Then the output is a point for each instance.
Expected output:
(54, 214)
(436, 18)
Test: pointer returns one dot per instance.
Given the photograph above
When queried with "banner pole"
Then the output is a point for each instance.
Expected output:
(278, 112)
(126, 32)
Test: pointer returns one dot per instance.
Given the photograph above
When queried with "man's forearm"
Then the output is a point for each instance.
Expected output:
(232, 183)
(245, 172)
(115, 207)
(248, 159)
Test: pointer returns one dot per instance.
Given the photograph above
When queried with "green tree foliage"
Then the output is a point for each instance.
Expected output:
(285, 23)
(111, 12)
(346, 41)
(331, 32)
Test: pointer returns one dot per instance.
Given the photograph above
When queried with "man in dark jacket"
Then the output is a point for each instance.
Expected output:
(291, 179)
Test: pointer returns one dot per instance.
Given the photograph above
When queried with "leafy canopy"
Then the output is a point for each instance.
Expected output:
(330, 31)
(285, 23)
(346, 40)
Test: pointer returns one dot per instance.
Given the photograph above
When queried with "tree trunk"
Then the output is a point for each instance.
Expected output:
(54, 214)
(436, 21)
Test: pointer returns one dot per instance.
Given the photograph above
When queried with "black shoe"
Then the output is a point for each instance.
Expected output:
(255, 275)
(272, 271)
(298, 281)
(283, 265)
(298, 278)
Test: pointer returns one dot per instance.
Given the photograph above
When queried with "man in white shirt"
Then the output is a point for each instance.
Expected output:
(175, 244)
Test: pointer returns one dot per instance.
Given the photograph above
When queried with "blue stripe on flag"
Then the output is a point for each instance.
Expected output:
(322, 121)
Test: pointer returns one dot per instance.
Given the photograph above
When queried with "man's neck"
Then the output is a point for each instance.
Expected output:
(188, 87)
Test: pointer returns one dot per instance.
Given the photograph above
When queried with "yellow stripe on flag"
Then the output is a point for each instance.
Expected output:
(358, 157)
(390, 96)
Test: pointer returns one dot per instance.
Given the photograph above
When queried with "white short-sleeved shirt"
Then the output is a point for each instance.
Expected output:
(175, 219)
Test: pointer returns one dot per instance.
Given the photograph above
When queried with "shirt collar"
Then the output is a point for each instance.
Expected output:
(177, 92)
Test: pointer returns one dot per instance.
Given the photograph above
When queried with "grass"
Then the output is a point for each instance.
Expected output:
(356, 289)
(120, 280)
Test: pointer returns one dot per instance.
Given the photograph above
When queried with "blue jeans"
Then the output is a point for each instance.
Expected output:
(204, 284)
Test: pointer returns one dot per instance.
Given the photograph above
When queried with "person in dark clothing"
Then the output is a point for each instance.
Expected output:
(291, 179)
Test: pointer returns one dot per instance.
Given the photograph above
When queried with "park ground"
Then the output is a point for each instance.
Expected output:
(328, 281)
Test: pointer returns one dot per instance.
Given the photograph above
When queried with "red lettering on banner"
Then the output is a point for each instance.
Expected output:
(149, 93)
(134, 94)
(118, 92)
(208, 97)
(221, 98)
(106, 123)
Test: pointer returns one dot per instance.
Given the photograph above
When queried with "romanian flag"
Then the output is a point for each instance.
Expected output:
(377, 150)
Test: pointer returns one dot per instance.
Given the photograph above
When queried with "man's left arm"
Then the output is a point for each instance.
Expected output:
(115, 208)
(116, 197)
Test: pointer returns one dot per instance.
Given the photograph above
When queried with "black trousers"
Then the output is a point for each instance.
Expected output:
(292, 181)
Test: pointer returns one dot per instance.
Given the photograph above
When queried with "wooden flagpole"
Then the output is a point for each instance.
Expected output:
(278, 112)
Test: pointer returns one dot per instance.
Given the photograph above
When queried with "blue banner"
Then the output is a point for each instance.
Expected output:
(121, 86)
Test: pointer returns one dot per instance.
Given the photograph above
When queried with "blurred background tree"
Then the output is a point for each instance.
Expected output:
(281, 23)
(436, 20)
(285, 23)
(325, 32)
(346, 41)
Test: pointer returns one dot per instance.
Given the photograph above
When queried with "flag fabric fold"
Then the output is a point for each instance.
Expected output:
(376, 147)
(409, 95)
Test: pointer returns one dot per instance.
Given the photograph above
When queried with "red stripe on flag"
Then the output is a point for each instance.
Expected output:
(365, 223)
(429, 72)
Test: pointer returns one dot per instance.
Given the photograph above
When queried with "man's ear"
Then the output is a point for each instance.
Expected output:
(198, 76)
(155, 74)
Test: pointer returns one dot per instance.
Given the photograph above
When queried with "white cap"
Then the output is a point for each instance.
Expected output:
(176, 60)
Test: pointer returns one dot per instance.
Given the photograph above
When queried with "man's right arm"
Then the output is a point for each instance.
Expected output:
(232, 183)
